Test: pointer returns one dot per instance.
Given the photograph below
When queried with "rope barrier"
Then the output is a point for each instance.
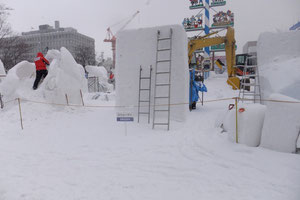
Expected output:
(174, 104)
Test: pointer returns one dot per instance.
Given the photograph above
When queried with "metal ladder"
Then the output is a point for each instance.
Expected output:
(159, 72)
(144, 89)
(250, 85)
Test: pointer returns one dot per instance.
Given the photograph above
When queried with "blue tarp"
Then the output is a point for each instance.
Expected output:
(195, 87)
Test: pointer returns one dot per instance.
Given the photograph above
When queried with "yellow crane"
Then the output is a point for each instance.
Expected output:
(229, 41)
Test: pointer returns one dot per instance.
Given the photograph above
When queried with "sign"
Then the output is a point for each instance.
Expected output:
(218, 3)
(125, 117)
(223, 19)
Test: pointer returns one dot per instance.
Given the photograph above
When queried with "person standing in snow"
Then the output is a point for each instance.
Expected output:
(41, 70)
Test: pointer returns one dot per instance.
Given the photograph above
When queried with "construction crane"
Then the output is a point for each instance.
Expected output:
(110, 37)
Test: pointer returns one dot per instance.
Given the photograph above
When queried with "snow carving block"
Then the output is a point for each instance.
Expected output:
(282, 125)
(137, 48)
(250, 123)
(279, 63)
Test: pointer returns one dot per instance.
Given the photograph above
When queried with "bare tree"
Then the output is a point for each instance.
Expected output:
(14, 50)
(85, 55)
(5, 29)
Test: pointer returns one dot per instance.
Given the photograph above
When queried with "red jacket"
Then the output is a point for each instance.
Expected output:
(40, 62)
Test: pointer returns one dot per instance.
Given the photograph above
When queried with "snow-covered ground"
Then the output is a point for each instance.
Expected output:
(83, 153)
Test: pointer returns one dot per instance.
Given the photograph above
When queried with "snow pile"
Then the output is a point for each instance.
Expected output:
(282, 125)
(18, 77)
(2, 69)
(101, 74)
(138, 48)
(279, 63)
(250, 123)
(65, 77)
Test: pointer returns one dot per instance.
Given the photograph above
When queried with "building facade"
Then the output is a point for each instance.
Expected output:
(47, 38)
(250, 48)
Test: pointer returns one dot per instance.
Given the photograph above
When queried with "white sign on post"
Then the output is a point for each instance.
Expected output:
(125, 117)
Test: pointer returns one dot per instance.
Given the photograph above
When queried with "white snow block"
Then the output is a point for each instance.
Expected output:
(281, 44)
(282, 125)
(250, 123)
(137, 48)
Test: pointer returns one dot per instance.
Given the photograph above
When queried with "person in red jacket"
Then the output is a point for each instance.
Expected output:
(41, 70)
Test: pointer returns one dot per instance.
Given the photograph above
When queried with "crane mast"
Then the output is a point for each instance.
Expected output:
(110, 37)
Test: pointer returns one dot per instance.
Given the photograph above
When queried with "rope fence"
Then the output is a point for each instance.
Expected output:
(19, 100)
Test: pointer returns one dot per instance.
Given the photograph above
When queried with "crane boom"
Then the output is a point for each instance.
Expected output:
(229, 42)
(112, 38)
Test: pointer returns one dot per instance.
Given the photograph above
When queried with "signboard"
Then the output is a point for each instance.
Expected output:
(125, 117)
(223, 19)
(219, 47)
(193, 23)
(218, 3)
(195, 4)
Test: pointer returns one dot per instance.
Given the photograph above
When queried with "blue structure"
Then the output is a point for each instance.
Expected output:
(295, 27)
(196, 86)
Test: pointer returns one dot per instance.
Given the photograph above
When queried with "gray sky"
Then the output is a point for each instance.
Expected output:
(92, 17)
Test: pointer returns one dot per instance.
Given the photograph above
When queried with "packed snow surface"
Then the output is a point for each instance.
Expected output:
(137, 48)
(83, 153)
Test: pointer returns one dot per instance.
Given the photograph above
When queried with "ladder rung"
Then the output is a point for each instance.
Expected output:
(163, 49)
(145, 89)
(145, 101)
(161, 110)
(143, 113)
(162, 124)
(164, 38)
(164, 61)
(161, 97)
(250, 75)
(248, 94)
(145, 78)
(162, 72)
(249, 84)
(251, 66)
(165, 84)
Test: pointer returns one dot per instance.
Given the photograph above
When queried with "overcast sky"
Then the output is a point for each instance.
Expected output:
(92, 17)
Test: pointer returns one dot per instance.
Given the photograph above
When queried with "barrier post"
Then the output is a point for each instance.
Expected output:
(81, 98)
(236, 120)
(19, 101)
(67, 99)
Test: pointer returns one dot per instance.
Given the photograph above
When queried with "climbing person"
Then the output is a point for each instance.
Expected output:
(41, 70)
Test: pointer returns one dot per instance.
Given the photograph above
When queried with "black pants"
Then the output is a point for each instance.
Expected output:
(39, 75)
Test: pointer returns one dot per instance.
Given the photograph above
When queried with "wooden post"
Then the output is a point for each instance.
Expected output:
(236, 120)
(67, 99)
(21, 119)
(81, 98)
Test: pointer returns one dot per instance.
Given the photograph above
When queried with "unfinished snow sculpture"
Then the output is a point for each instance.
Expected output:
(137, 48)
(100, 75)
(250, 123)
(282, 125)
(65, 77)
(279, 63)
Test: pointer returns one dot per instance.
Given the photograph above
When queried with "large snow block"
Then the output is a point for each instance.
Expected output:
(282, 124)
(282, 44)
(250, 123)
(137, 48)
(279, 63)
